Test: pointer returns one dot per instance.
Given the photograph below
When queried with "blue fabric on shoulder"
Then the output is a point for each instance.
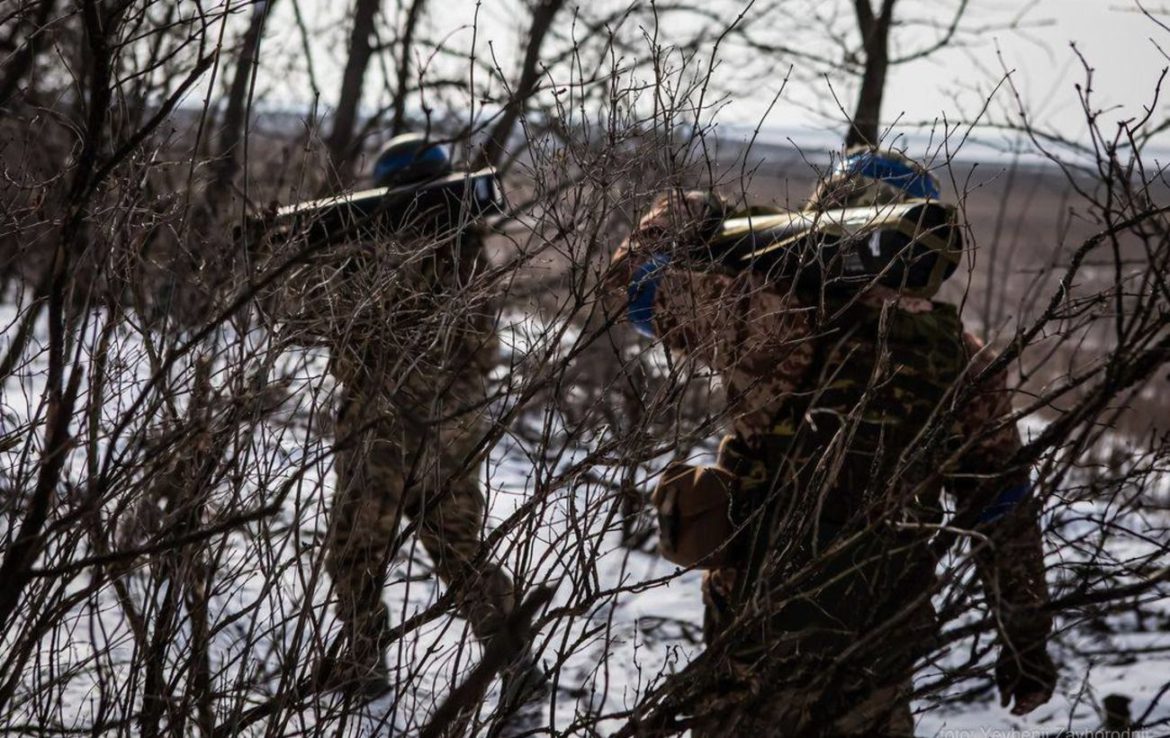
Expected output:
(1005, 502)
(643, 288)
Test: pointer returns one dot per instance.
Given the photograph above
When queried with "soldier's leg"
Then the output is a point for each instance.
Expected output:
(718, 588)
(721, 711)
(450, 524)
(362, 537)
(883, 712)
(876, 700)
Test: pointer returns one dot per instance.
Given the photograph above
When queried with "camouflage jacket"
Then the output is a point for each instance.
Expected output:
(406, 316)
(762, 338)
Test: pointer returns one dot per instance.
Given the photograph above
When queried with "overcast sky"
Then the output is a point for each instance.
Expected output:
(1120, 43)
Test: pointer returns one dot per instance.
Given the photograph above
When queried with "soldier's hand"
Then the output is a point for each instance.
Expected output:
(1027, 676)
(680, 218)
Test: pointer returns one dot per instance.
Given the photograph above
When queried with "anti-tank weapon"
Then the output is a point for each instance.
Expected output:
(450, 201)
(912, 246)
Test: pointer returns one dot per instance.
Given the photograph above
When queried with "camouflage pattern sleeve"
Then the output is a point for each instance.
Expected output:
(674, 222)
(736, 324)
(999, 499)
(753, 332)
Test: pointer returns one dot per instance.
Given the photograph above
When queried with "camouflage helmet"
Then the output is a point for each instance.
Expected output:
(867, 176)
(409, 158)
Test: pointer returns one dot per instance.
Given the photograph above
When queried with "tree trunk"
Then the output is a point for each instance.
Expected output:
(231, 132)
(875, 32)
(542, 18)
(398, 122)
(340, 138)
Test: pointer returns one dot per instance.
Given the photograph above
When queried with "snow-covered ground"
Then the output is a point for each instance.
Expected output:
(620, 618)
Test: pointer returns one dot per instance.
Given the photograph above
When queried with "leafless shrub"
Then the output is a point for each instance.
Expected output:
(168, 412)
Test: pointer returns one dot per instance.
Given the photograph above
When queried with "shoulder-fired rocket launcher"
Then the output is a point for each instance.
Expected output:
(912, 246)
(450, 201)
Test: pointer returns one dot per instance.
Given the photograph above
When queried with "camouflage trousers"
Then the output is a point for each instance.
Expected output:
(836, 655)
(777, 685)
(393, 469)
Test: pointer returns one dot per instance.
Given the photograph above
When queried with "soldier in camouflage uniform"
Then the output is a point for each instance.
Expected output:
(412, 343)
(850, 415)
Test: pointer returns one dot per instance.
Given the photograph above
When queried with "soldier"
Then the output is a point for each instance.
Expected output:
(850, 414)
(412, 342)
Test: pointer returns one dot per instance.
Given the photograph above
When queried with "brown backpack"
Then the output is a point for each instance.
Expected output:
(694, 514)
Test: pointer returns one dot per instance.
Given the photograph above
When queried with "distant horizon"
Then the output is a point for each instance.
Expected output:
(977, 145)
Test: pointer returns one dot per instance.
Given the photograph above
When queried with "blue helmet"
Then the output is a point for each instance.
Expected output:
(895, 171)
(409, 158)
(868, 176)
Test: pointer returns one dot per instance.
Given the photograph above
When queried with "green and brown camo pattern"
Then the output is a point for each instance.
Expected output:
(846, 413)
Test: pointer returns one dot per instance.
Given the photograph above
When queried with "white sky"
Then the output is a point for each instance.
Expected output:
(1120, 45)
(1119, 42)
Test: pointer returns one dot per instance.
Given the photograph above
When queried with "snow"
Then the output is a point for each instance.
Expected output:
(621, 624)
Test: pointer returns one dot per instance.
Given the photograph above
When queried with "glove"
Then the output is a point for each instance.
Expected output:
(1027, 676)
(687, 219)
